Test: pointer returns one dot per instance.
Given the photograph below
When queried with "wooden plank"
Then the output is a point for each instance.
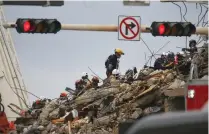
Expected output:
(178, 92)
(166, 106)
(69, 127)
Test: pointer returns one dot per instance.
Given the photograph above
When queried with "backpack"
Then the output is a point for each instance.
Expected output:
(107, 62)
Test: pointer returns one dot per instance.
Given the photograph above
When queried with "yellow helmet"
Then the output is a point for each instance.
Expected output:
(119, 51)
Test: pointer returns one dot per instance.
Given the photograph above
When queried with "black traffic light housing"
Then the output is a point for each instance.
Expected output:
(26, 25)
(172, 29)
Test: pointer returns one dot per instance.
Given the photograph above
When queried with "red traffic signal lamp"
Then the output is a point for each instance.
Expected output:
(37, 26)
(172, 29)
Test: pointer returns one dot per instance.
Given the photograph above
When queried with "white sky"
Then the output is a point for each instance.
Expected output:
(51, 62)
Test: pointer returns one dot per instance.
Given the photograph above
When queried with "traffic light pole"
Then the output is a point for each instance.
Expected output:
(107, 28)
(92, 27)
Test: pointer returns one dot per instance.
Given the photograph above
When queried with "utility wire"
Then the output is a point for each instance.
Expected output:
(199, 14)
(180, 10)
(15, 92)
(185, 12)
(203, 22)
(95, 73)
(205, 6)
(147, 47)
(162, 47)
(150, 58)
(202, 17)
(22, 89)
(199, 39)
(206, 23)
(28, 92)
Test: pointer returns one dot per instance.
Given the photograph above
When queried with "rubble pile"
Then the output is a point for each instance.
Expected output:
(104, 108)
(99, 111)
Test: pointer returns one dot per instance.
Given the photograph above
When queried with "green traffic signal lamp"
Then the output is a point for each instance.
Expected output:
(189, 28)
(38, 26)
(172, 29)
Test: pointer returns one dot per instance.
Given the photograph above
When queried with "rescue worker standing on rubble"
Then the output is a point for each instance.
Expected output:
(192, 47)
(113, 61)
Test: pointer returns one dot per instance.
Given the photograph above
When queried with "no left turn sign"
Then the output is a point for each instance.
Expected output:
(129, 28)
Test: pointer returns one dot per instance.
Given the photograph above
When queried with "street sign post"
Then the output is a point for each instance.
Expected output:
(129, 28)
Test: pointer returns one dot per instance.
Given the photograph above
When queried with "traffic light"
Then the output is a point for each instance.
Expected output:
(172, 29)
(37, 26)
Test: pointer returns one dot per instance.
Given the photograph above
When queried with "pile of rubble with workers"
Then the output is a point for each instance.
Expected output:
(94, 108)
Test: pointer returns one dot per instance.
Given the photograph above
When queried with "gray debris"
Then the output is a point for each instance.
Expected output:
(100, 111)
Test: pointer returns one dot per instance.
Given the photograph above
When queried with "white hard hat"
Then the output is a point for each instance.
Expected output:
(182, 53)
(42, 97)
(84, 74)
(164, 53)
(115, 72)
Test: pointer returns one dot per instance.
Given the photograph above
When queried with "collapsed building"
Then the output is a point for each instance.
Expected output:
(99, 111)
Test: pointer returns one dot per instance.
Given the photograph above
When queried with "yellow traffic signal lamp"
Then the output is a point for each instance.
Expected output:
(172, 29)
(37, 26)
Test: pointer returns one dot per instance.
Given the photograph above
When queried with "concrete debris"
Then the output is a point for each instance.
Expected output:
(98, 111)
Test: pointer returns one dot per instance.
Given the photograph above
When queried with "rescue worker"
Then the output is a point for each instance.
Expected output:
(159, 63)
(62, 98)
(130, 74)
(85, 77)
(164, 55)
(115, 78)
(79, 85)
(179, 58)
(116, 74)
(192, 47)
(170, 61)
(63, 95)
(37, 104)
(113, 61)
(170, 56)
(93, 83)
(40, 103)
